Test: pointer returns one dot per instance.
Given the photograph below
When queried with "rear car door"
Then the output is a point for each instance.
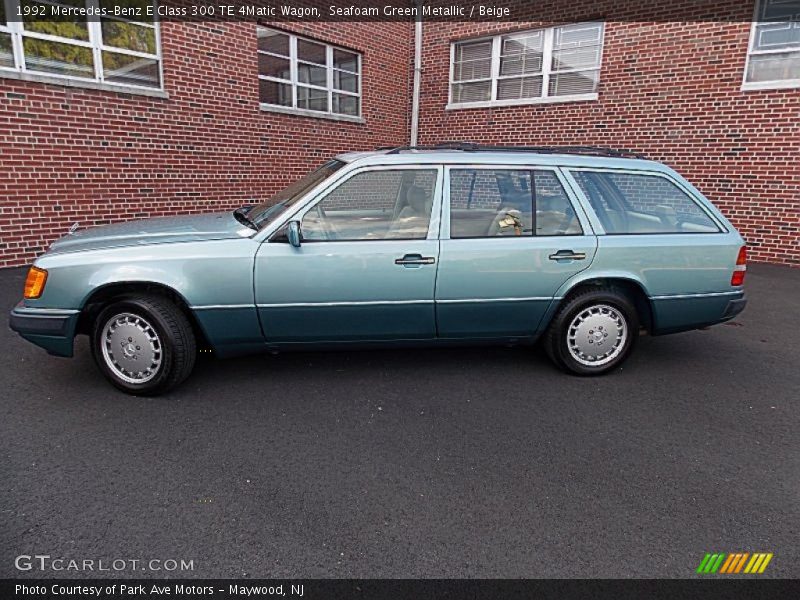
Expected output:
(366, 266)
(510, 237)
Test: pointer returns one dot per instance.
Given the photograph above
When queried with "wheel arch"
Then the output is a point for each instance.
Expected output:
(102, 295)
(631, 286)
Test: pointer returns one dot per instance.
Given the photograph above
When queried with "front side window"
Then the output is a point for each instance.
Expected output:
(306, 75)
(557, 63)
(112, 50)
(773, 58)
(374, 205)
(633, 204)
(500, 203)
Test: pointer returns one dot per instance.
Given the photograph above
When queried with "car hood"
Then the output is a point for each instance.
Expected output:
(161, 230)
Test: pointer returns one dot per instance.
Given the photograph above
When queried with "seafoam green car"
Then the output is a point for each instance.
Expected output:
(582, 247)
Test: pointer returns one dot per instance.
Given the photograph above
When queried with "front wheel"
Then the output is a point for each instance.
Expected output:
(143, 345)
(593, 332)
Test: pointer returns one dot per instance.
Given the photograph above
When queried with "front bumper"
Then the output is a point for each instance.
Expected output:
(50, 328)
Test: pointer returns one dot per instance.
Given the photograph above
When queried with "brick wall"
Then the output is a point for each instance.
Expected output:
(669, 89)
(69, 154)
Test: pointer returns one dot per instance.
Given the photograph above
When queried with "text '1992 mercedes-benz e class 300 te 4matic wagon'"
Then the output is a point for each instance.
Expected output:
(579, 247)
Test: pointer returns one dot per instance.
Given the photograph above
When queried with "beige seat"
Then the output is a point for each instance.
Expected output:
(414, 218)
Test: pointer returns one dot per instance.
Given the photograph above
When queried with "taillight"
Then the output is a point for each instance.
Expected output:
(34, 283)
(741, 267)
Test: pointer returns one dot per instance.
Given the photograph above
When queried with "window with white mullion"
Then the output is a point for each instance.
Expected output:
(320, 77)
(128, 55)
(472, 70)
(329, 75)
(14, 36)
(766, 52)
(57, 38)
(773, 58)
(527, 66)
(116, 50)
(293, 68)
(128, 51)
(7, 53)
(547, 62)
(495, 66)
(96, 40)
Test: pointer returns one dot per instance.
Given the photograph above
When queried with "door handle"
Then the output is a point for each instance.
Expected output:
(567, 255)
(415, 259)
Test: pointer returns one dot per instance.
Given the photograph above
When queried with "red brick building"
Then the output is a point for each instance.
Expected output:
(201, 116)
(202, 142)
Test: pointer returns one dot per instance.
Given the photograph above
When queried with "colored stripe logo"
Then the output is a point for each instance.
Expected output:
(737, 562)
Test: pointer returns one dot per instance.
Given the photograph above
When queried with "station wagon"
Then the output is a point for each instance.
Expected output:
(581, 248)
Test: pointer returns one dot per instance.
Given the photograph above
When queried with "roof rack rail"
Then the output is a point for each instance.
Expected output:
(473, 147)
(465, 146)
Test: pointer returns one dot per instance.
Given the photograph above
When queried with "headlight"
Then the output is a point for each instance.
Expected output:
(34, 283)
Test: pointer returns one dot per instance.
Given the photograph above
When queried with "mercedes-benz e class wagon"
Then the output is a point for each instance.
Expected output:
(582, 248)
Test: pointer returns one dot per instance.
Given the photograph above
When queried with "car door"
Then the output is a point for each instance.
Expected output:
(366, 266)
(511, 236)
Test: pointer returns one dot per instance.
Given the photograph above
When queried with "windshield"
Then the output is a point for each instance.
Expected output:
(263, 213)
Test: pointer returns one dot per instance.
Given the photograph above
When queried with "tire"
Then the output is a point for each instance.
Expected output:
(583, 325)
(144, 345)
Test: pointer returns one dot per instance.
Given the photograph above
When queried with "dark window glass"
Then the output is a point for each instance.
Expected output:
(6, 53)
(272, 92)
(56, 57)
(132, 70)
(273, 41)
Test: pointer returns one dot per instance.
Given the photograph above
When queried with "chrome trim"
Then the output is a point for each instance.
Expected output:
(364, 303)
(221, 306)
(50, 312)
(703, 295)
(474, 300)
(370, 303)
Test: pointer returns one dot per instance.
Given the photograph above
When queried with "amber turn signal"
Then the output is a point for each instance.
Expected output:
(34, 284)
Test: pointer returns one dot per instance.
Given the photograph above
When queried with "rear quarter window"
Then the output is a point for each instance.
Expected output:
(627, 203)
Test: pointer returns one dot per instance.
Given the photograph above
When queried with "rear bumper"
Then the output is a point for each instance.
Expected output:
(694, 311)
(734, 308)
(50, 328)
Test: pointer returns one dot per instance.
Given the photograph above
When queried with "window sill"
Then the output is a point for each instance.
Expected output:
(83, 84)
(300, 112)
(526, 102)
(788, 84)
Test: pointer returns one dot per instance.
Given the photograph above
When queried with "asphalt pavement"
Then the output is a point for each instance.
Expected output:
(475, 462)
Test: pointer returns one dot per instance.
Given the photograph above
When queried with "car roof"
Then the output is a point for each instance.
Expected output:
(510, 156)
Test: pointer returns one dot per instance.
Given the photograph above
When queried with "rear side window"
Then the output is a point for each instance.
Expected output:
(509, 203)
(634, 204)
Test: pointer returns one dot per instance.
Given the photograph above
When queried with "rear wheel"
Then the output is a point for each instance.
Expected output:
(143, 345)
(593, 332)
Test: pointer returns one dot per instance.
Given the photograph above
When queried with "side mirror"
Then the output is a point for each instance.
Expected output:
(293, 233)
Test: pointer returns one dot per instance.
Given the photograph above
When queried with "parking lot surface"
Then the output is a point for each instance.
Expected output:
(475, 462)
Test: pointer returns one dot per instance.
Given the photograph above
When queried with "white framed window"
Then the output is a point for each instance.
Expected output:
(556, 64)
(111, 51)
(773, 55)
(304, 76)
